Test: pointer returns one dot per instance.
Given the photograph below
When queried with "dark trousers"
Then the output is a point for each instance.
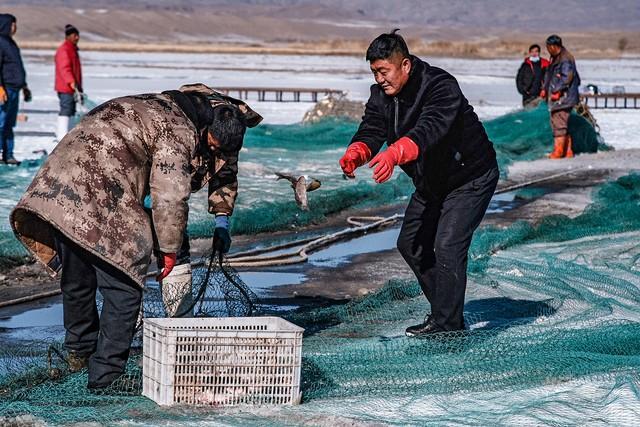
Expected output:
(434, 240)
(67, 104)
(107, 337)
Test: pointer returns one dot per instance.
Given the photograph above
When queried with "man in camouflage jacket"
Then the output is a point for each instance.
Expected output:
(83, 213)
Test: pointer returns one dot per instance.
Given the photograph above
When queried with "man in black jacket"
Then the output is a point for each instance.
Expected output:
(434, 135)
(530, 76)
(12, 81)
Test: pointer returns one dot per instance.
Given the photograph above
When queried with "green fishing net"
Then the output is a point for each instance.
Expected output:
(553, 311)
(266, 205)
(521, 135)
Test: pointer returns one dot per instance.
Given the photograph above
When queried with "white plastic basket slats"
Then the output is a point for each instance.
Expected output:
(222, 361)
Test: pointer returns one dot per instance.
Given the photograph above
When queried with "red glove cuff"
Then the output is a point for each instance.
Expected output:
(363, 151)
(404, 150)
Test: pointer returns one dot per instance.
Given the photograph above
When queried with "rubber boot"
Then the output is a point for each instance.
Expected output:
(63, 127)
(569, 149)
(558, 147)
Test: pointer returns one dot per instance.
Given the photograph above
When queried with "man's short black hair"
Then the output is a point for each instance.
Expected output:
(554, 40)
(386, 45)
(228, 127)
(534, 46)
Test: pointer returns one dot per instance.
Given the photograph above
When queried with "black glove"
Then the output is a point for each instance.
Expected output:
(26, 93)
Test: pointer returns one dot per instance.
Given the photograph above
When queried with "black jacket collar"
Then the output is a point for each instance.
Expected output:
(185, 105)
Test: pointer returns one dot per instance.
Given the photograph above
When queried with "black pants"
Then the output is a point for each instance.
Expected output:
(434, 240)
(108, 337)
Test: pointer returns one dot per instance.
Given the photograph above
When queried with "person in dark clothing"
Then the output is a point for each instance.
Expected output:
(560, 89)
(530, 76)
(12, 81)
(435, 136)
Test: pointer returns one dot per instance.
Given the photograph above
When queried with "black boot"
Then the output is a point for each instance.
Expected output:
(428, 327)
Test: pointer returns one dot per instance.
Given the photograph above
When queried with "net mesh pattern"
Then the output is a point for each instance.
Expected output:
(553, 316)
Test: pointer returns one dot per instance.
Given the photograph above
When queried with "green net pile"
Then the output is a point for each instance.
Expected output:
(553, 312)
(13, 181)
(521, 135)
(526, 135)
(266, 205)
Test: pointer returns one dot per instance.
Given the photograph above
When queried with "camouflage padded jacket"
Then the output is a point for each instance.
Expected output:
(92, 186)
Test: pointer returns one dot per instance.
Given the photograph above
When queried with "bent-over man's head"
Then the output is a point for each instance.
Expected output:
(226, 132)
(390, 62)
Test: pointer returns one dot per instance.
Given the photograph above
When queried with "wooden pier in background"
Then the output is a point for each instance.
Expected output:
(612, 100)
(279, 94)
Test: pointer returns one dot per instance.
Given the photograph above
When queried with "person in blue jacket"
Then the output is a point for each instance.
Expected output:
(560, 89)
(13, 79)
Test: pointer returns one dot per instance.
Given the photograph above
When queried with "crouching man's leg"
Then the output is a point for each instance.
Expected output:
(121, 304)
(462, 212)
(78, 284)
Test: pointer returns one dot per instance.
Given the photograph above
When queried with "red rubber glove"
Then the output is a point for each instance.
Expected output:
(167, 262)
(555, 96)
(543, 94)
(400, 152)
(356, 155)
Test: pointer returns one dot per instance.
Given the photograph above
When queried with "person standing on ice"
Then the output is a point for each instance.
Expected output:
(561, 91)
(68, 80)
(13, 79)
(435, 136)
(84, 211)
(530, 76)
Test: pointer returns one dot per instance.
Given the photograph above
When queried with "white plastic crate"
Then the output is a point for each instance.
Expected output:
(222, 361)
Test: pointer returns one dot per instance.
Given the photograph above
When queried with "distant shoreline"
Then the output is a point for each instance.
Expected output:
(454, 49)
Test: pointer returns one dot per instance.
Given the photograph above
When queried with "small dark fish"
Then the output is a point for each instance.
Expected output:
(42, 152)
(301, 186)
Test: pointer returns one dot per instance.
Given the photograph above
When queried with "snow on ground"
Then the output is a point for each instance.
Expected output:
(488, 84)
(619, 128)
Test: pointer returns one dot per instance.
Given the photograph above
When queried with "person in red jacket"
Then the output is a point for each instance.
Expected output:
(68, 78)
